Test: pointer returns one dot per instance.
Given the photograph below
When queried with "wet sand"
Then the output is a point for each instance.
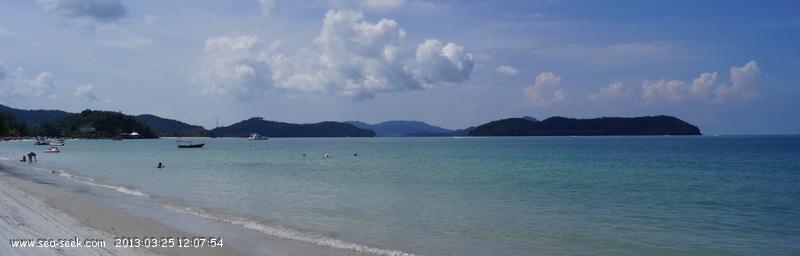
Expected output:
(30, 210)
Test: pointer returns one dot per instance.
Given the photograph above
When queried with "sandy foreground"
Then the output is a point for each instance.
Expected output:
(30, 210)
(35, 211)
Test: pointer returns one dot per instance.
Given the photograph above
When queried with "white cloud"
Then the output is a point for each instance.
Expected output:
(614, 92)
(86, 91)
(350, 57)
(357, 59)
(448, 63)
(705, 88)
(230, 44)
(672, 90)
(507, 70)
(545, 91)
(85, 13)
(230, 66)
(14, 86)
(744, 80)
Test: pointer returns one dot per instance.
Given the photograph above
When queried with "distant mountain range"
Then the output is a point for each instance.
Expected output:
(525, 126)
(410, 129)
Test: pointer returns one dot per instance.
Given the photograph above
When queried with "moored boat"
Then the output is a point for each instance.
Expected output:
(189, 144)
(256, 136)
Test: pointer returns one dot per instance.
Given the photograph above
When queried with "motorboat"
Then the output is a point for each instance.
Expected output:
(189, 144)
(256, 136)
(52, 150)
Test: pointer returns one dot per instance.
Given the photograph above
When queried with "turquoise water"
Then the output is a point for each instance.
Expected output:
(727, 195)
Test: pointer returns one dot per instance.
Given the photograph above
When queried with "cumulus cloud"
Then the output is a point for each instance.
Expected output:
(705, 87)
(230, 66)
(437, 62)
(350, 57)
(545, 91)
(14, 86)
(507, 70)
(744, 80)
(86, 13)
(614, 91)
(86, 91)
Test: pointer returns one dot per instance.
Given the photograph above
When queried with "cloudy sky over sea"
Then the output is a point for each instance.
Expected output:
(730, 67)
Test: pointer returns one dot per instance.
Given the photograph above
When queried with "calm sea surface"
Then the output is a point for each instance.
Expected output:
(698, 195)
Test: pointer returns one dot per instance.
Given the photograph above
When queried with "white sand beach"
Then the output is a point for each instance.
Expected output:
(30, 210)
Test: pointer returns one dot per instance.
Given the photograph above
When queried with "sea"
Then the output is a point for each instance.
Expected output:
(616, 195)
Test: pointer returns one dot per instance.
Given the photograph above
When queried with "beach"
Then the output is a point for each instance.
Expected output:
(37, 211)
(41, 218)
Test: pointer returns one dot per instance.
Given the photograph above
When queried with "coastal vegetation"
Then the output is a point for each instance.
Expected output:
(102, 124)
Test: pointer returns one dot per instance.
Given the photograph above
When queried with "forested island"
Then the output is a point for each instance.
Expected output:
(605, 126)
(107, 124)
(280, 129)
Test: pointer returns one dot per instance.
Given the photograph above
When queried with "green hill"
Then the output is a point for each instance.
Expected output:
(102, 124)
(173, 128)
(279, 129)
(561, 126)
(34, 118)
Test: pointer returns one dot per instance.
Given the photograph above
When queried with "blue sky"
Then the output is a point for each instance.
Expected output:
(730, 67)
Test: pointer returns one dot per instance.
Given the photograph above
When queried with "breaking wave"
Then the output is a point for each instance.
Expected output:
(92, 182)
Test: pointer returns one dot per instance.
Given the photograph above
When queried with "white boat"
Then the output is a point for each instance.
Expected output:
(52, 150)
(256, 136)
(57, 143)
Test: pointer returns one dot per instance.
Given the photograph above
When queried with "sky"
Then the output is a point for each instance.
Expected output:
(729, 67)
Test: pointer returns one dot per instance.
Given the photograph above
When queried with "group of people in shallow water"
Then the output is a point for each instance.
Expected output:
(31, 157)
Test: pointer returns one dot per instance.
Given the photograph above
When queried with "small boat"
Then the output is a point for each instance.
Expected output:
(57, 143)
(189, 144)
(41, 142)
(256, 136)
(52, 150)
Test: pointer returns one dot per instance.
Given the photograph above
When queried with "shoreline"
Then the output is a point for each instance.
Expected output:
(39, 210)
(32, 210)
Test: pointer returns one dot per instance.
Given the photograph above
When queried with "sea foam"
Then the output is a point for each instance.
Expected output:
(92, 182)
(287, 233)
